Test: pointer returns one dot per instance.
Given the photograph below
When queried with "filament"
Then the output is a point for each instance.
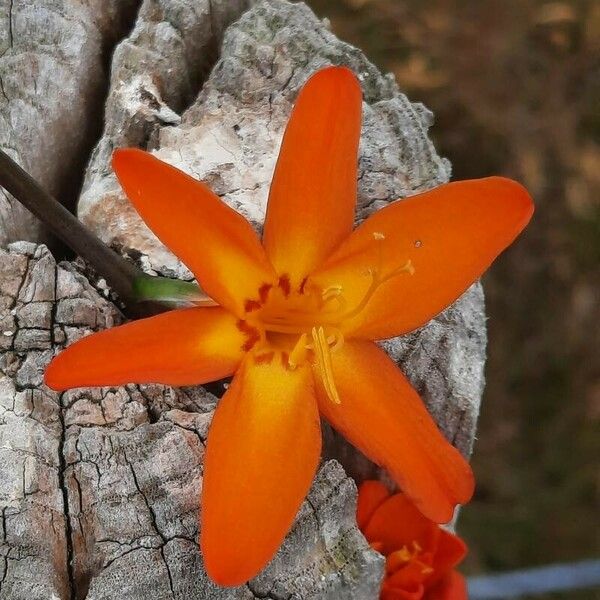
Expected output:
(323, 355)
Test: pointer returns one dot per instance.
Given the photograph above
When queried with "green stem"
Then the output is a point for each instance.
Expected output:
(161, 289)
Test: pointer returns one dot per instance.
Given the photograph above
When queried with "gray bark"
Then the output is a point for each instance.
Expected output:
(52, 81)
(229, 135)
(99, 488)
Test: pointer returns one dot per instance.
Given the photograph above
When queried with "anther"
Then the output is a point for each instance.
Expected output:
(335, 340)
(331, 292)
(404, 554)
(334, 293)
(299, 353)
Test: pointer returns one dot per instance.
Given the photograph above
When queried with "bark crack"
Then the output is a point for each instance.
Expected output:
(3, 91)
(71, 183)
(62, 466)
(162, 553)
(267, 596)
(62, 462)
(10, 24)
(151, 511)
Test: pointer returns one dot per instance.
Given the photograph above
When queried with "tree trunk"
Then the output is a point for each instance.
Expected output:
(99, 487)
(53, 64)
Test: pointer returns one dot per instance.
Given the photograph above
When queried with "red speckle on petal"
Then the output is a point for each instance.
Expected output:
(284, 284)
(252, 334)
(263, 292)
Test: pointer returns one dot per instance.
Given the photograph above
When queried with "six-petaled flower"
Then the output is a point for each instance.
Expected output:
(296, 321)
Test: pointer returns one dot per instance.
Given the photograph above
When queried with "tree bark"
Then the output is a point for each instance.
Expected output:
(99, 487)
(53, 64)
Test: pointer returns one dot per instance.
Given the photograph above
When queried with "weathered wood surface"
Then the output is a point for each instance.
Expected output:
(99, 488)
(53, 69)
(230, 134)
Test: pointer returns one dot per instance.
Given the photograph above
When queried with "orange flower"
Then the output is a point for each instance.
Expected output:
(296, 318)
(419, 555)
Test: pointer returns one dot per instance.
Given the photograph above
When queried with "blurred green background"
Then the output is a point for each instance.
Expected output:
(515, 87)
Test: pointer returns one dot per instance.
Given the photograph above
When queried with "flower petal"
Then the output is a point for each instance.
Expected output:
(313, 192)
(382, 415)
(412, 576)
(262, 453)
(390, 592)
(447, 237)
(212, 239)
(450, 552)
(181, 347)
(397, 523)
(451, 587)
(371, 494)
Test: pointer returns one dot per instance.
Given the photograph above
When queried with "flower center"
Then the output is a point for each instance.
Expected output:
(411, 553)
(306, 324)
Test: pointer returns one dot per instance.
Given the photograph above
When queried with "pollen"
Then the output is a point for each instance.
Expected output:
(405, 555)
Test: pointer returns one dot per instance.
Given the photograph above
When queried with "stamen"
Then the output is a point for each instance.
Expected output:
(335, 340)
(296, 321)
(323, 353)
(332, 291)
(299, 353)
(407, 267)
(375, 283)
(404, 554)
(279, 310)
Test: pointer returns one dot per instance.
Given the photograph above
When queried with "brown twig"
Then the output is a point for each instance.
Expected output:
(120, 274)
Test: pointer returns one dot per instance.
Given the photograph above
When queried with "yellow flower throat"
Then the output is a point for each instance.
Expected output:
(305, 325)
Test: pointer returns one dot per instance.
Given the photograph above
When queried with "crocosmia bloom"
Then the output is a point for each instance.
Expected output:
(419, 555)
(296, 319)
